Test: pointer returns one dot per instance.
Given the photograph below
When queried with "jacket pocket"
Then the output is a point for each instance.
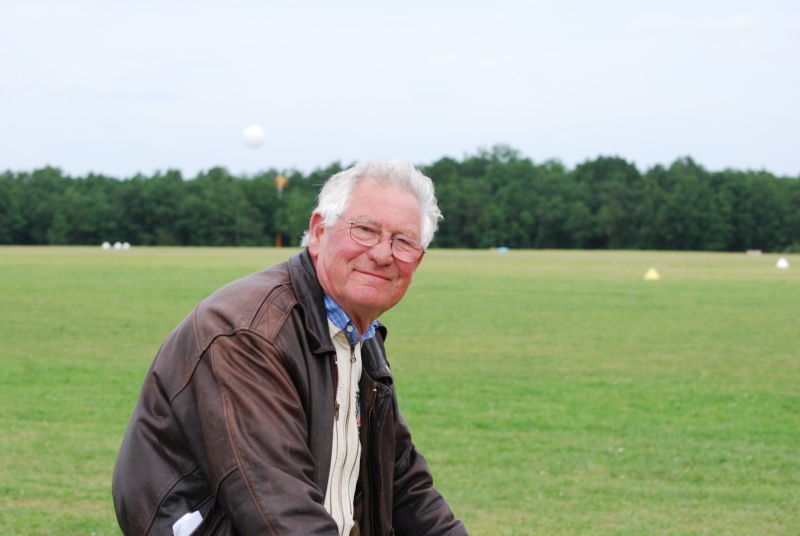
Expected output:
(216, 523)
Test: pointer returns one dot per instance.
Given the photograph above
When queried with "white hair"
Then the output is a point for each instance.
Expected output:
(334, 198)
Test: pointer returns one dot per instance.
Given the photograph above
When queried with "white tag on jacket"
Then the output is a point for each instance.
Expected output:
(185, 526)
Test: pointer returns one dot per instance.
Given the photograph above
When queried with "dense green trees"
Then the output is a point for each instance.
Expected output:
(493, 198)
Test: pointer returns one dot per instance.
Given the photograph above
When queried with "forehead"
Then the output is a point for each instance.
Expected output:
(393, 209)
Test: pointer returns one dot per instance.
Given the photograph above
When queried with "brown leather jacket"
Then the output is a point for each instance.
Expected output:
(235, 419)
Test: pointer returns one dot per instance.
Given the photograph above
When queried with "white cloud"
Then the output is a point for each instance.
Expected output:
(744, 20)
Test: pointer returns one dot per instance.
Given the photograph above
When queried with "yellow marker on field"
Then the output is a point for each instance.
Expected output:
(652, 275)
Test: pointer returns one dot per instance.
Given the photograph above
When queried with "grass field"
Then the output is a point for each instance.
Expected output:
(551, 392)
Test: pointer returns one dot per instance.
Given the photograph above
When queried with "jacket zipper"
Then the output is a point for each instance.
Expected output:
(374, 491)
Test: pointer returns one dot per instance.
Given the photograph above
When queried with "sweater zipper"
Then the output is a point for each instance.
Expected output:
(335, 387)
(336, 380)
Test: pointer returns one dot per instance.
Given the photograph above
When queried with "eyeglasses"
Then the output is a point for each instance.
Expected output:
(403, 249)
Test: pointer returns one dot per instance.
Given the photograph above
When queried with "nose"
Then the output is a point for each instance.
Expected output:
(381, 252)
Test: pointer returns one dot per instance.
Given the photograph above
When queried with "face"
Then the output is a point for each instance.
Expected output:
(366, 281)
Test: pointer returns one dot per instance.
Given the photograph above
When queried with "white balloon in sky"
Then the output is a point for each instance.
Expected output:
(254, 136)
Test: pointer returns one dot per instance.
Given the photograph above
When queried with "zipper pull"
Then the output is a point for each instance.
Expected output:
(336, 411)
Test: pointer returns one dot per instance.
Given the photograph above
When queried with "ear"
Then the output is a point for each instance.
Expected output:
(316, 229)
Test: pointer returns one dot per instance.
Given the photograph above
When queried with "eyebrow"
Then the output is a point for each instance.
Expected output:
(401, 232)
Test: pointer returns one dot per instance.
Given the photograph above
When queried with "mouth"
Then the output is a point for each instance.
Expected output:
(374, 275)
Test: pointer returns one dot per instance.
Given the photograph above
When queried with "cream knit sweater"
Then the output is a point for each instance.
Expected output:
(346, 451)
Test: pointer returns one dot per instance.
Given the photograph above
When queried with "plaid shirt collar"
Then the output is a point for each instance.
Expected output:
(342, 321)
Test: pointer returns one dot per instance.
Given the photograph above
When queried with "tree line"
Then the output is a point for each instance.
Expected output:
(490, 199)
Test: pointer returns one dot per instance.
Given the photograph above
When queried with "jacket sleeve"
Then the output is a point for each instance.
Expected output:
(418, 508)
(250, 437)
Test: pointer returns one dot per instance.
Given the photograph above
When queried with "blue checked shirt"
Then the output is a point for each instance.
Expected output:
(342, 321)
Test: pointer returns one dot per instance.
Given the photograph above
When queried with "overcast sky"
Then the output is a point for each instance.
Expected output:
(120, 87)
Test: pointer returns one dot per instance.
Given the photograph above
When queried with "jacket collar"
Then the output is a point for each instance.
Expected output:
(308, 293)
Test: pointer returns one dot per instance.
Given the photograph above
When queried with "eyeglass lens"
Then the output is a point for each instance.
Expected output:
(368, 235)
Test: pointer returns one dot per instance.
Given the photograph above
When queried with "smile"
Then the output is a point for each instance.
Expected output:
(373, 275)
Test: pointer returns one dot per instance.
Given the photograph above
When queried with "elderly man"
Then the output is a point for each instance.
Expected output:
(271, 408)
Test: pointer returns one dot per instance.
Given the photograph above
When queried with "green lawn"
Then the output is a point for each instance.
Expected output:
(551, 392)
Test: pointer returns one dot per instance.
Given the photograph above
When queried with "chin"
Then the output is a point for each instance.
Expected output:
(373, 302)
